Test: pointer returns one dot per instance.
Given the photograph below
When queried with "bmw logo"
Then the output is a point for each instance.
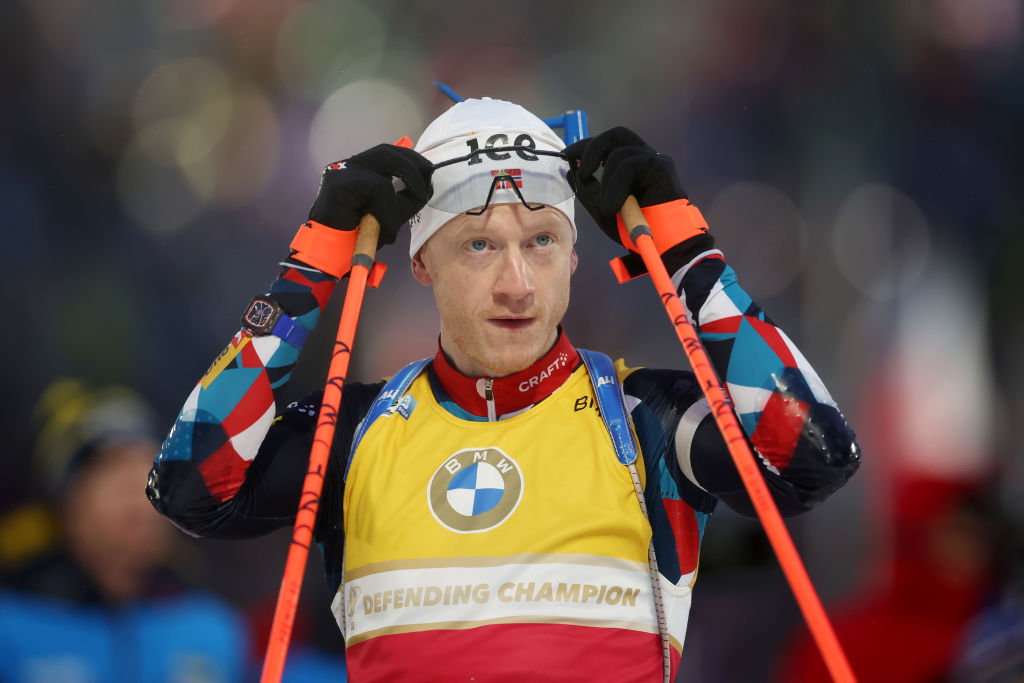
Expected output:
(475, 489)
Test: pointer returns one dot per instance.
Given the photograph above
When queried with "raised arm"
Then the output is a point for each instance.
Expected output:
(801, 441)
(234, 461)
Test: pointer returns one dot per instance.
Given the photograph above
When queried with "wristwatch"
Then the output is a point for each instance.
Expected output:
(264, 316)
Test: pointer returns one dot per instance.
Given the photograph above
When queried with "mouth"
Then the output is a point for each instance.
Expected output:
(512, 323)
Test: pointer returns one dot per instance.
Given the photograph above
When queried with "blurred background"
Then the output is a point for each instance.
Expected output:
(860, 164)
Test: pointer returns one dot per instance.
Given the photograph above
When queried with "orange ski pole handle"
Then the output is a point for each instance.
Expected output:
(302, 537)
(721, 408)
(364, 271)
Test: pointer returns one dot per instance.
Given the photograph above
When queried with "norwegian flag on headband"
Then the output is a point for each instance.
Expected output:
(513, 174)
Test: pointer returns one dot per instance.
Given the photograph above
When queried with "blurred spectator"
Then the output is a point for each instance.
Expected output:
(93, 588)
(992, 645)
(102, 605)
(906, 625)
(928, 410)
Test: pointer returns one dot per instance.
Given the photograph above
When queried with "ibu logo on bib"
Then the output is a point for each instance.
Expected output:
(475, 490)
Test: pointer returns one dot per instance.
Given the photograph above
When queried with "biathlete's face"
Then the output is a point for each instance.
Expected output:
(501, 281)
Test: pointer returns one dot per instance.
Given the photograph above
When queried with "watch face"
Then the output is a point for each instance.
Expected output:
(261, 316)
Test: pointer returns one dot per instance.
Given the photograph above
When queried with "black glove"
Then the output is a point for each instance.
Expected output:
(362, 184)
(632, 167)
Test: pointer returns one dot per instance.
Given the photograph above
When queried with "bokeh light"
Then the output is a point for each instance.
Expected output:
(240, 166)
(182, 111)
(322, 45)
(201, 138)
(360, 115)
(761, 232)
(977, 24)
(881, 240)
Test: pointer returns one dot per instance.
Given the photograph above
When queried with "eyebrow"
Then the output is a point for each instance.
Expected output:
(551, 222)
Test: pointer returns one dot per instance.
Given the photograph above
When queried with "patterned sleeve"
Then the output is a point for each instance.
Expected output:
(234, 461)
(800, 439)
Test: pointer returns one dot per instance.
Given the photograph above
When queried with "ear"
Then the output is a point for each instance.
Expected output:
(573, 262)
(419, 270)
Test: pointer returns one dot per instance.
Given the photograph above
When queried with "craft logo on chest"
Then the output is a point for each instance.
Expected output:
(475, 489)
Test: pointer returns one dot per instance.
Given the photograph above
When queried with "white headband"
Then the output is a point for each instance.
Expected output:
(483, 124)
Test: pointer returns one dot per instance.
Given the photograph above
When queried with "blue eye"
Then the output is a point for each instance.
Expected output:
(478, 245)
(544, 240)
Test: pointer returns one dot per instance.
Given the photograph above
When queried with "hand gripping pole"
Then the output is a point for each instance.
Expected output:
(721, 408)
(295, 565)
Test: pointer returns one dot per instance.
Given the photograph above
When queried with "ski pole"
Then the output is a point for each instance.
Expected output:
(295, 565)
(721, 408)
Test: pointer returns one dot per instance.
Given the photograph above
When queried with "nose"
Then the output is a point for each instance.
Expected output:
(514, 284)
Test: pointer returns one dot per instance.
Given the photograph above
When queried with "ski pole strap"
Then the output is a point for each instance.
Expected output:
(387, 402)
(678, 230)
(612, 404)
(324, 248)
(671, 223)
(607, 390)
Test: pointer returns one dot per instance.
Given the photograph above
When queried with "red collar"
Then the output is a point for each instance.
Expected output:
(515, 392)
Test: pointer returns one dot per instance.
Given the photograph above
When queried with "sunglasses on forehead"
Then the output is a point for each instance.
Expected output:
(503, 179)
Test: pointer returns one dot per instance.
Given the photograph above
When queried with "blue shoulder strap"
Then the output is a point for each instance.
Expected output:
(612, 404)
(386, 400)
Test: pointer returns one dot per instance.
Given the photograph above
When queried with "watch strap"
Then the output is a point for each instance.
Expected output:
(278, 323)
(290, 331)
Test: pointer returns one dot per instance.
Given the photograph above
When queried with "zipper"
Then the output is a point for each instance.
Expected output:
(492, 413)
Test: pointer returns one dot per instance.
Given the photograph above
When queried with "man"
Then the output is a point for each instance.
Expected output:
(478, 521)
(103, 605)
